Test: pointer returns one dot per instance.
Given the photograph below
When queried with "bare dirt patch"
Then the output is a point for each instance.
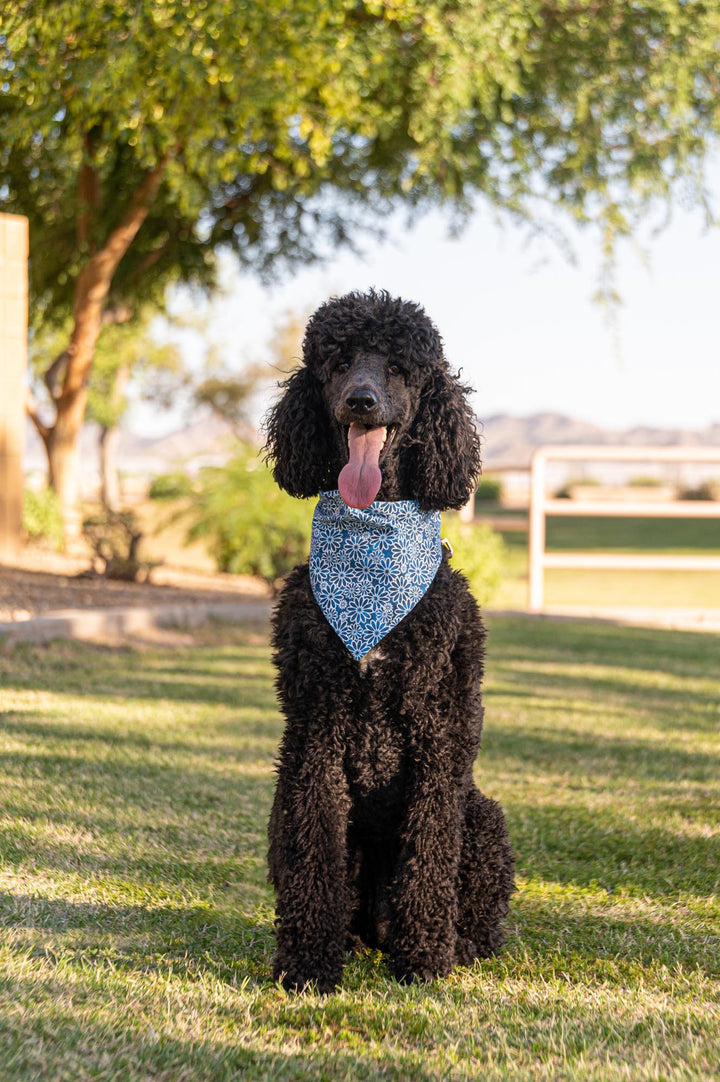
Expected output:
(39, 583)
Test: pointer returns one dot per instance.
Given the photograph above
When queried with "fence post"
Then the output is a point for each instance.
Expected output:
(537, 532)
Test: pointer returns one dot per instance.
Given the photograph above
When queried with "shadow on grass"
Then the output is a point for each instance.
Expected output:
(148, 873)
(586, 847)
(560, 937)
(163, 815)
(239, 675)
(676, 707)
(241, 691)
(119, 1049)
(189, 942)
(196, 855)
(176, 818)
(251, 739)
(195, 943)
(604, 757)
(108, 769)
(683, 653)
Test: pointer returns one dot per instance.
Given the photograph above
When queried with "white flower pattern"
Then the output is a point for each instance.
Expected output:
(369, 569)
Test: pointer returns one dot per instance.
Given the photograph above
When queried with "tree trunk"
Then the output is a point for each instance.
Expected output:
(109, 479)
(63, 451)
(93, 284)
(64, 438)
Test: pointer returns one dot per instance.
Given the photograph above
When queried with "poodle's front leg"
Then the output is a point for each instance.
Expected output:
(425, 886)
(310, 820)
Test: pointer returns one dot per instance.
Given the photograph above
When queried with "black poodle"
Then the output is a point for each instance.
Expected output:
(378, 835)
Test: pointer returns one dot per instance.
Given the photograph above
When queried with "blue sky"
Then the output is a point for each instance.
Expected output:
(519, 319)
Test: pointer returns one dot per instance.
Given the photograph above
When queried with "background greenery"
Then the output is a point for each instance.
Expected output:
(41, 518)
(479, 552)
(136, 920)
(250, 527)
(145, 141)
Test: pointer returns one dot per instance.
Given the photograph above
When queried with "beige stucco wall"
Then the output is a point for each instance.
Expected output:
(13, 362)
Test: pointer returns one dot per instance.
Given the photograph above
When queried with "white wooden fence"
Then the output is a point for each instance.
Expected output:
(541, 505)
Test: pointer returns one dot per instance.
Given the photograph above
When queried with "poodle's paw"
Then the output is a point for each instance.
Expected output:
(304, 978)
(466, 952)
(419, 970)
(485, 943)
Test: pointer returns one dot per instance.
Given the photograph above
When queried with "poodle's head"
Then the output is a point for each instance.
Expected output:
(374, 410)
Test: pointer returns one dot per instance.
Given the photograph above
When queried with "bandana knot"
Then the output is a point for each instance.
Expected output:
(369, 568)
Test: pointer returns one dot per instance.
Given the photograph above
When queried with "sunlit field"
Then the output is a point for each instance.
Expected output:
(598, 589)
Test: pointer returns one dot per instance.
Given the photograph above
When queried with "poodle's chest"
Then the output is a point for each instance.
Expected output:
(377, 740)
(375, 757)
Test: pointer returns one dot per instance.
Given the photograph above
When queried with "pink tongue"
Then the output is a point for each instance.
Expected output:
(359, 482)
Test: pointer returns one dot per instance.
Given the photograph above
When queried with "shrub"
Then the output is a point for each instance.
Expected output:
(706, 490)
(251, 527)
(479, 552)
(645, 481)
(170, 486)
(490, 489)
(565, 492)
(115, 537)
(41, 517)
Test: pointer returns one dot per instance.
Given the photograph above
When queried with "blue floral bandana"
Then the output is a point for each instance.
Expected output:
(369, 569)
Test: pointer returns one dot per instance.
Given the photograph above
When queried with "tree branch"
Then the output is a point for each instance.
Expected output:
(31, 410)
(88, 191)
(104, 263)
(149, 260)
(94, 282)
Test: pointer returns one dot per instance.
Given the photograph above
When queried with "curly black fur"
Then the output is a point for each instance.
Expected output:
(378, 834)
(440, 459)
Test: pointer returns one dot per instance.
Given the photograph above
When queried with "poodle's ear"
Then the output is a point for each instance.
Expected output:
(299, 436)
(445, 445)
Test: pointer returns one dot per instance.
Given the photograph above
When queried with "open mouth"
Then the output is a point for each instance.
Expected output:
(359, 481)
(389, 433)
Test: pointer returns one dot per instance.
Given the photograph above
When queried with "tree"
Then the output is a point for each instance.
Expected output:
(126, 353)
(143, 138)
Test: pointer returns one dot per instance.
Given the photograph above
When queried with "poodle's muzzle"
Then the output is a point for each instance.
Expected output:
(366, 391)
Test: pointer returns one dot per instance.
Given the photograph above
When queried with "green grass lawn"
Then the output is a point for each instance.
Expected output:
(137, 924)
(652, 589)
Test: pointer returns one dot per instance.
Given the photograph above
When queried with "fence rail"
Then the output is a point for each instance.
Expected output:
(541, 505)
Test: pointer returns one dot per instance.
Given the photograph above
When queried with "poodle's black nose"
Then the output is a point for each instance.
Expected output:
(361, 401)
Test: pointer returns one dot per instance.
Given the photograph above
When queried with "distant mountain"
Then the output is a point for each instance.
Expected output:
(509, 442)
(207, 437)
(203, 442)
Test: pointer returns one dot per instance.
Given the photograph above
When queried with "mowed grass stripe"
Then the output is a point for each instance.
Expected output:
(136, 918)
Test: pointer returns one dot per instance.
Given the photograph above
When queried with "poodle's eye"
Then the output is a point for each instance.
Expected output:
(394, 369)
(344, 366)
